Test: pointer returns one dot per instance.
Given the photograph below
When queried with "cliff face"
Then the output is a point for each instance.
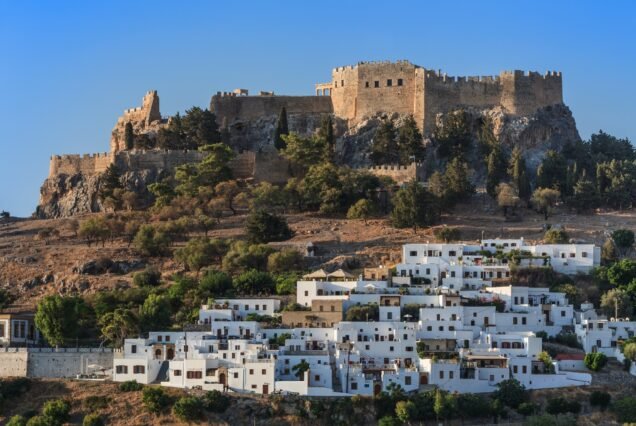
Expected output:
(65, 196)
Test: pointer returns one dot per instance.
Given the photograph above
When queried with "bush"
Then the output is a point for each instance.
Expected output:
(556, 236)
(130, 386)
(254, 282)
(370, 312)
(286, 283)
(263, 227)
(40, 421)
(625, 409)
(150, 277)
(155, 399)
(56, 412)
(595, 361)
(447, 234)
(600, 399)
(527, 408)
(188, 408)
(96, 402)
(511, 393)
(93, 419)
(285, 260)
(216, 401)
(389, 421)
(561, 406)
(151, 242)
(215, 284)
(17, 421)
(623, 238)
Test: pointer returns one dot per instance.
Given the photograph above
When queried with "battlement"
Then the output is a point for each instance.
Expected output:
(72, 164)
(401, 174)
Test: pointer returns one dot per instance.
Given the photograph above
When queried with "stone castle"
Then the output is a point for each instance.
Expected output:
(354, 93)
(368, 88)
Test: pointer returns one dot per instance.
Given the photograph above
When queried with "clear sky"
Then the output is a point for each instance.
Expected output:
(69, 68)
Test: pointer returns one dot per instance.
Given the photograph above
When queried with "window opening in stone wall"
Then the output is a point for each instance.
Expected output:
(376, 84)
(399, 82)
(366, 84)
(389, 83)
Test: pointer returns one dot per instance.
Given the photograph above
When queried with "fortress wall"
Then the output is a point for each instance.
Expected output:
(385, 98)
(400, 174)
(156, 159)
(243, 165)
(419, 100)
(240, 108)
(524, 93)
(344, 91)
(271, 167)
(73, 164)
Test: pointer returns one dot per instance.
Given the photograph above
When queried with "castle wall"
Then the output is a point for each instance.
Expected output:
(400, 174)
(344, 91)
(231, 108)
(523, 93)
(74, 164)
(156, 159)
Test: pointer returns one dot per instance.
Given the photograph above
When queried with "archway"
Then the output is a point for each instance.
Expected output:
(222, 379)
(170, 353)
(158, 353)
(377, 388)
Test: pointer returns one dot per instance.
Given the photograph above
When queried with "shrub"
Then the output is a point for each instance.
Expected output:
(17, 420)
(254, 282)
(389, 421)
(556, 236)
(561, 406)
(130, 386)
(93, 419)
(188, 408)
(527, 408)
(623, 238)
(263, 227)
(600, 399)
(155, 399)
(370, 312)
(216, 401)
(57, 411)
(40, 421)
(150, 277)
(511, 393)
(447, 234)
(284, 261)
(625, 409)
(96, 402)
(595, 361)
(215, 284)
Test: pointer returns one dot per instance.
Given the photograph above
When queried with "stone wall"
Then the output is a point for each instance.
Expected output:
(230, 108)
(400, 174)
(52, 363)
(73, 164)
(141, 119)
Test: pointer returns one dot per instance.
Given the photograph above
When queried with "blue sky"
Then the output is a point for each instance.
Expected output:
(68, 69)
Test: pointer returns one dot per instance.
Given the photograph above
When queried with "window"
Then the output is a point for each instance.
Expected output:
(523, 320)
(409, 349)
(562, 313)
(524, 369)
(121, 369)
(139, 369)
(210, 372)
(452, 253)
(429, 328)
(389, 83)
(342, 83)
(317, 377)
(389, 315)
(194, 374)
(407, 380)
(441, 374)
(413, 253)
(263, 372)
(584, 254)
(405, 336)
(366, 347)
(256, 307)
(247, 307)
(400, 81)
(264, 307)
(1, 329)
(287, 362)
(390, 348)
(159, 338)
(253, 386)
(366, 84)
(306, 293)
(176, 373)
(514, 320)
(251, 371)
(167, 338)
(354, 386)
(376, 83)
(236, 375)
(333, 308)
(133, 349)
(514, 369)
(451, 374)
(286, 371)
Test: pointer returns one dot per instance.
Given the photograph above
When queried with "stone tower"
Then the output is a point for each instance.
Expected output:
(141, 118)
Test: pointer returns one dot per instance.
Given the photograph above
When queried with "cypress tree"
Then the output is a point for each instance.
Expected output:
(326, 132)
(410, 142)
(385, 148)
(110, 182)
(496, 170)
(282, 128)
(519, 174)
(129, 135)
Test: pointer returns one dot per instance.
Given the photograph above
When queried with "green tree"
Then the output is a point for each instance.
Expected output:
(551, 173)
(305, 151)
(496, 167)
(362, 209)
(243, 256)
(56, 412)
(453, 136)
(507, 198)
(404, 411)
(197, 253)
(58, 318)
(410, 143)
(188, 408)
(93, 419)
(129, 135)
(384, 149)
(595, 361)
(285, 260)
(605, 147)
(456, 177)
(118, 325)
(414, 207)
(282, 129)
(369, 312)
(110, 180)
(151, 242)
(447, 234)
(263, 227)
(511, 393)
(155, 399)
(214, 284)
(556, 236)
(629, 351)
(544, 199)
(519, 174)
(149, 277)
(216, 401)
(444, 405)
(17, 420)
(625, 409)
(254, 282)
(213, 169)
(94, 229)
(624, 238)
(388, 421)
(584, 195)
(325, 132)
(155, 312)
(600, 399)
(228, 191)
(300, 368)
(617, 302)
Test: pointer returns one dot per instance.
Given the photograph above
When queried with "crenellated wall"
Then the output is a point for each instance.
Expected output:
(400, 174)
(75, 163)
